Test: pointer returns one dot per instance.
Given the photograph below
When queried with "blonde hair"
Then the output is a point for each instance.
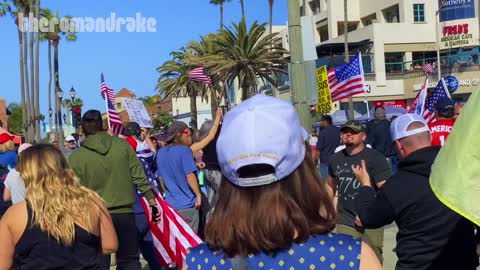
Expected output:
(55, 195)
(8, 146)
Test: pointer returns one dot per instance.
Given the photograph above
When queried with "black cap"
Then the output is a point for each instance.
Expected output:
(132, 129)
(174, 128)
(354, 125)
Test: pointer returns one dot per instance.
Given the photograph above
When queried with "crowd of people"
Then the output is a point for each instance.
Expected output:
(256, 187)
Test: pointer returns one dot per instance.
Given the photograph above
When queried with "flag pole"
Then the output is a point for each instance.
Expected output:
(106, 106)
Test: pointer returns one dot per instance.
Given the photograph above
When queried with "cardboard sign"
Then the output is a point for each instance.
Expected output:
(137, 113)
(324, 105)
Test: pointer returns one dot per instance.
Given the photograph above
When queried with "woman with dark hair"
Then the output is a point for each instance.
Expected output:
(273, 211)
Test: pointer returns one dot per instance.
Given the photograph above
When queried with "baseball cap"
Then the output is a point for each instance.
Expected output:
(69, 138)
(355, 125)
(132, 129)
(174, 128)
(23, 147)
(261, 130)
(398, 128)
(5, 137)
(444, 104)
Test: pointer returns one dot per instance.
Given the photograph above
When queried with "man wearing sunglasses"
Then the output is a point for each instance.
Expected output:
(177, 168)
(342, 179)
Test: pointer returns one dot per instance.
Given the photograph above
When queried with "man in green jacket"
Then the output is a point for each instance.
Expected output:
(109, 166)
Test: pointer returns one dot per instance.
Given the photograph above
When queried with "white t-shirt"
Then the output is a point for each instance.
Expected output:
(341, 147)
(15, 184)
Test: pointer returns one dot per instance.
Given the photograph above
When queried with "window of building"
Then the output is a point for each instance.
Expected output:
(315, 6)
(351, 26)
(119, 106)
(419, 12)
(370, 19)
(392, 14)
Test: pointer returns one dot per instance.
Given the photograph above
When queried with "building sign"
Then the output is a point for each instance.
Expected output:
(137, 113)
(393, 103)
(461, 83)
(451, 10)
(458, 35)
(324, 104)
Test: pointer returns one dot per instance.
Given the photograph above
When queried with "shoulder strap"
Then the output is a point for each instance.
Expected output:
(239, 263)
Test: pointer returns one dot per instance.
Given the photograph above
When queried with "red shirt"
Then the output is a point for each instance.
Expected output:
(440, 130)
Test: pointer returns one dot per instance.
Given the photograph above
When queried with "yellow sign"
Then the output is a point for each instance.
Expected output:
(324, 105)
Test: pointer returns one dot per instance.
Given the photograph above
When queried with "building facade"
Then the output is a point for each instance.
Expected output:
(397, 38)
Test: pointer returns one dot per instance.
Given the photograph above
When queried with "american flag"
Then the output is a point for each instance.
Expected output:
(427, 68)
(347, 80)
(440, 91)
(172, 236)
(199, 75)
(114, 121)
(419, 101)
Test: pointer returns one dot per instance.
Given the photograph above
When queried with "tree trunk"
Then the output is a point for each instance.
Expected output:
(221, 15)
(37, 77)
(213, 102)
(243, 8)
(58, 115)
(270, 3)
(22, 84)
(193, 112)
(27, 88)
(33, 110)
(50, 122)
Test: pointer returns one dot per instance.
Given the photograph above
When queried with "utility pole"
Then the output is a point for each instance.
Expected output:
(347, 53)
(298, 84)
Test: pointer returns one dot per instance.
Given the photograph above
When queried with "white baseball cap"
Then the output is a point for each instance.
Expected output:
(261, 130)
(69, 138)
(398, 128)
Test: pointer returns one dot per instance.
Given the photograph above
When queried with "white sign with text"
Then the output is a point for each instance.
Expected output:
(138, 113)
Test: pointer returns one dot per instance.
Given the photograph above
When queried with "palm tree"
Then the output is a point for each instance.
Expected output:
(19, 8)
(202, 49)
(55, 37)
(174, 81)
(246, 55)
(48, 15)
(220, 3)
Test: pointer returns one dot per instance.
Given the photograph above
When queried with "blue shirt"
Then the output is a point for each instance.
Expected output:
(323, 251)
(174, 163)
(8, 159)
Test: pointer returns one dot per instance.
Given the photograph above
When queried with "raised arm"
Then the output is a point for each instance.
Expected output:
(211, 134)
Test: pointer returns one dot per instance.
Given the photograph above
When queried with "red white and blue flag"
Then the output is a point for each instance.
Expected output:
(114, 121)
(440, 91)
(428, 68)
(417, 106)
(199, 74)
(172, 236)
(347, 80)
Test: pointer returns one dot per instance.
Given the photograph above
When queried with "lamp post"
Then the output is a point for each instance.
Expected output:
(59, 116)
(72, 94)
(50, 122)
(178, 112)
(437, 25)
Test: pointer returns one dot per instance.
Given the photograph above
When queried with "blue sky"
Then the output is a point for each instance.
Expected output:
(127, 59)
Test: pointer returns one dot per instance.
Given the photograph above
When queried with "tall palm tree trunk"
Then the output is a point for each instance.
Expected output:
(33, 110)
(27, 87)
(243, 8)
(221, 15)
(50, 84)
(270, 3)
(193, 111)
(37, 77)
(57, 87)
(213, 101)
(22, 83)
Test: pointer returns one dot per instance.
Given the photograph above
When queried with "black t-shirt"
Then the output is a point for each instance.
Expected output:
(340, 168)
(210, 153)
(328, 140)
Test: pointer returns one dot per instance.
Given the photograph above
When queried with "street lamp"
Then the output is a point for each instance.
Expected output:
(59, 115)
(50, 113)
(72, 94)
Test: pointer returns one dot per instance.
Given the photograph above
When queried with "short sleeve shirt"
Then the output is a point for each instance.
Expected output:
(15, 185)
(340, 168)
(174, 163)
(440, 130)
